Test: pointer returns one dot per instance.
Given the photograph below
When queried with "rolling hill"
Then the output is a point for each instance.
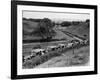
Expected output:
(28, 28)
(81, 29)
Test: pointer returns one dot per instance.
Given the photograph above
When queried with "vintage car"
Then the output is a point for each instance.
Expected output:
(62, 45)
(86, 42)
(51, 48)
(26, 58)
(36, 52)
(69, 45)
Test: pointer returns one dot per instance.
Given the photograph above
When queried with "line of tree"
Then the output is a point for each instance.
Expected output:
(68, 23)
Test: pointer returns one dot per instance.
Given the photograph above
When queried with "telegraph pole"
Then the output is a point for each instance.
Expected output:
(73, 48)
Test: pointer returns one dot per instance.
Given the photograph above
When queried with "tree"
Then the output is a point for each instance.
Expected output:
(45, 29)
(88, 23)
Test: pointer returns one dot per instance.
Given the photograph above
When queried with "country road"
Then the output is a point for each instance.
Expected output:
(67, 34)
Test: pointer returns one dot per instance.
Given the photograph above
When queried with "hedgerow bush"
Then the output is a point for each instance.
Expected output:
(39, 59)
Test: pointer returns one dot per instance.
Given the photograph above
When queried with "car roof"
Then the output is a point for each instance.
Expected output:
(61, 44)
(52, 46)
(37, 50)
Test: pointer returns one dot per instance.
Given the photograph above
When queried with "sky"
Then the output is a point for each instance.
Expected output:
(56, 16)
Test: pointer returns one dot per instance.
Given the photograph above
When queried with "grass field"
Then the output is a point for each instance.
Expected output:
(79, 58)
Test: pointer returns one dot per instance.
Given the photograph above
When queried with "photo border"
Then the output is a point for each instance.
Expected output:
(14, 39)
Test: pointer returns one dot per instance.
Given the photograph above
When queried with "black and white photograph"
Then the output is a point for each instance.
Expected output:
(53, 39)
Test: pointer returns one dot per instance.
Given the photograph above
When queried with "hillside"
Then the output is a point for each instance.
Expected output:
(28, 28)
(80, 29)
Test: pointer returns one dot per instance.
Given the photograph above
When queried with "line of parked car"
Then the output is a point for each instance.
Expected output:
(60, 47)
